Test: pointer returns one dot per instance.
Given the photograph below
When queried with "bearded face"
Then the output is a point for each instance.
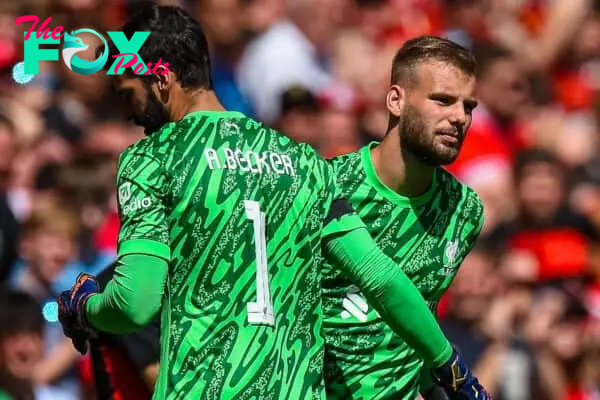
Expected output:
(142, 104)
(433, 147)
(436, 113)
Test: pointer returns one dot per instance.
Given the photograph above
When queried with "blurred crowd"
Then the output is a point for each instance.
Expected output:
(525, 306)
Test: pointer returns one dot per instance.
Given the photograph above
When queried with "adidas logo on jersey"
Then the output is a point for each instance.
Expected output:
(355, 305)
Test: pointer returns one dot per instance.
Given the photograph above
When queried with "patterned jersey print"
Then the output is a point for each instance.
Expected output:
(238, 211)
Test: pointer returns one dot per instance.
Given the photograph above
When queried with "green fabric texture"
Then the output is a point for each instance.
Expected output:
(120, 308)
(392, 293)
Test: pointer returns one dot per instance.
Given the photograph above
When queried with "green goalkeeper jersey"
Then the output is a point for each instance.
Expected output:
(239, 212)
(428, 236)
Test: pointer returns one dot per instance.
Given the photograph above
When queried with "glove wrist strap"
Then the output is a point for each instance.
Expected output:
(82, 319)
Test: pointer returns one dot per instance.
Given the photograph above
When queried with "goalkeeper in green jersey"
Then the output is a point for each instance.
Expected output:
(420, 215)
(224, 225)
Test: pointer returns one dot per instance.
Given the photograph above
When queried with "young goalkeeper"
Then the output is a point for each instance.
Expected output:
(224, 223)
(420, 215)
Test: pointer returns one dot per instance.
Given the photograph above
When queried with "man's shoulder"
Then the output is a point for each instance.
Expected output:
(273, 140)
(470, 204)
(136, 146)
(346, 164)
(142, 146)
(452, 185)
(152, 146)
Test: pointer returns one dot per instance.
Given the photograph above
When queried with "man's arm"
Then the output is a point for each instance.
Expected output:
(132, 298)
(134, 294)
(348, 244)
(142, 347)
(398, 301)
(428, 389)
(390, 291)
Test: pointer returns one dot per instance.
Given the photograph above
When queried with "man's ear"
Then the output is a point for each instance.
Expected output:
(164, 77)
(164, 81)
(395, 99)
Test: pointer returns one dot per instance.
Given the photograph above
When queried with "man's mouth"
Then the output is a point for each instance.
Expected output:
(448, 137)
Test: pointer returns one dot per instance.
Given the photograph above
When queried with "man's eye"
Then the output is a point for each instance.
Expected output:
(442, 100)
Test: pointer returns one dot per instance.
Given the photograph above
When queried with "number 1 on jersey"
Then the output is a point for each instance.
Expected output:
(261, 311)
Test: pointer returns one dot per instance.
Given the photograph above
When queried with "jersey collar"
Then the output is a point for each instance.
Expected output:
(388, 192)
(216, 114)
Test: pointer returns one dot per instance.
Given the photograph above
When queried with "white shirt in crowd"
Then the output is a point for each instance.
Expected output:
(279, 58)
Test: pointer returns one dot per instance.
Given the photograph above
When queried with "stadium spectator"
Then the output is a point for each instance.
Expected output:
(225, 30)
(48, 244)
(340, 107)
(21, 345)
(483, 325)
(555, 240)
(9, 227)
(299, 115)
(291, 51)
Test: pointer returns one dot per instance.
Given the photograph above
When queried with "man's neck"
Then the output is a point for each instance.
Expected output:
(185, 103)
(399, 170)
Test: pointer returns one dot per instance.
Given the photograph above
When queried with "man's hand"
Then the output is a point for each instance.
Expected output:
(71, 311)
(458, 381)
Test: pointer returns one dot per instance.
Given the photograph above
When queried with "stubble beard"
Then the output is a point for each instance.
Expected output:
(153, 116)
(415, 139)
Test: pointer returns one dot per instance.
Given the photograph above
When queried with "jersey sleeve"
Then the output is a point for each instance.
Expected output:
(132, 297)
(391, 292)
(141, 199)
(341, 217)
(142, 346)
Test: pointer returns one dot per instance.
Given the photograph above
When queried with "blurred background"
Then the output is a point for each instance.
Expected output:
(525, 306)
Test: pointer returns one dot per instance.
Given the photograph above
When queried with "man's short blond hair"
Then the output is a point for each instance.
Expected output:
(49, 216)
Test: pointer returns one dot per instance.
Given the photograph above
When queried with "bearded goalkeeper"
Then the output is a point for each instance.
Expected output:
(224, 224)
(421, 217)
